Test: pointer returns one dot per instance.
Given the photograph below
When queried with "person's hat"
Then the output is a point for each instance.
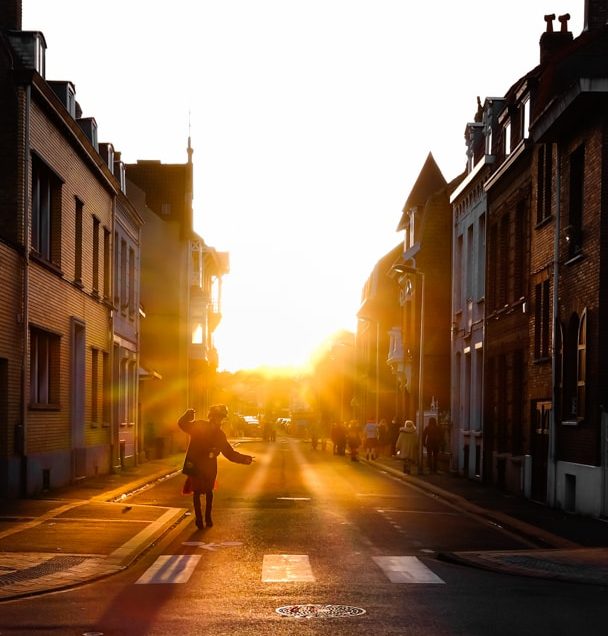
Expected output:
(409, 426)
(218, 410)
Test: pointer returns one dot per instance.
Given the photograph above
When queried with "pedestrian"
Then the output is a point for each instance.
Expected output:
(207, 441)
(407, 445)
(353, 440)
(338, 437)
(383, 439)
(393, 429)
(370, 442)
(431, 439)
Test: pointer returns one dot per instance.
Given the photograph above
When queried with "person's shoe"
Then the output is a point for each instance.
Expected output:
(208, 522)
(199, 524)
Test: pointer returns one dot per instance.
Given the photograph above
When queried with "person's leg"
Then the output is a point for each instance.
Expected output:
(208, 507)
(196, 501)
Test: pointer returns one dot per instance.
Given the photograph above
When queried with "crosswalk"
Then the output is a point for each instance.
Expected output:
(288, 568)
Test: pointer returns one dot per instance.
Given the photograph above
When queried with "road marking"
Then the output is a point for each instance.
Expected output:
(406, 569)
(212, 547)
(286, 568)
(170, 568)
(294, 498)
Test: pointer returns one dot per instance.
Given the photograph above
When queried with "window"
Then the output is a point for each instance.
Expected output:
(507, 138)
(517, 408)
(489, 141)
(116, 270)
(106, 263)
(503, 260)
(44, 368)
(525, 118)
(481, 254)
(459, 271)
(131, 282)
(123, 276)
(581, 366)
(544, 183)
(519, 252)
(46, 213)
(107, 379)
(95, 255)
(94, 385)
(541, 321)
(78, 242)
(574, 370)
(492, 264)
(575, 209)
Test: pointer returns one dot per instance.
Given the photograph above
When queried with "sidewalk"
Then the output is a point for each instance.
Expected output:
(563, 546)
(81, 533)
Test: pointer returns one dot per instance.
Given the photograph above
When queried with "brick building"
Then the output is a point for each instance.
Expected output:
(57, 209)
(569, 125)
(424, 274)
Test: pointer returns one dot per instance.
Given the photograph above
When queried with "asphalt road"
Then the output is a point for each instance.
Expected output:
(313, 534)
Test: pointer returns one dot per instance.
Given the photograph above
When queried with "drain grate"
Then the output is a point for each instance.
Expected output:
(52, 566)
(320, 611)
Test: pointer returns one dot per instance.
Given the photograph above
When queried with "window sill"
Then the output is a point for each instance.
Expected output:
(579, 256)
(544, 222)
(576, 422)
(52, 267)
(36, 406)
(542, 360)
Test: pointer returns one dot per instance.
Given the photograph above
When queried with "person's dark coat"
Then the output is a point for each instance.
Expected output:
(207, 441)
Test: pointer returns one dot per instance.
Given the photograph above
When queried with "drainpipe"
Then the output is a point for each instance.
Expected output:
(552, 463)
(21, 432)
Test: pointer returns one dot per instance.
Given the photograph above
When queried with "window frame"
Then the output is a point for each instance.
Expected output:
(44, 370)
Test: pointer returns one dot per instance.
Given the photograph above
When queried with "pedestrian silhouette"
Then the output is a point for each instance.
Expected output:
(431, 439)
(207, 441)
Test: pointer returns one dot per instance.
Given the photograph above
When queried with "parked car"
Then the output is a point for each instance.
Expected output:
(252, 426)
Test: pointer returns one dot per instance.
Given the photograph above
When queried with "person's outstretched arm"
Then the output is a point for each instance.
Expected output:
(234, 456)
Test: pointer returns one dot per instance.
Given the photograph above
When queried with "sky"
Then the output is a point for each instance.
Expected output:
(310, 121)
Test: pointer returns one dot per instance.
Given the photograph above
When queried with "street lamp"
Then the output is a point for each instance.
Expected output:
(402, 268)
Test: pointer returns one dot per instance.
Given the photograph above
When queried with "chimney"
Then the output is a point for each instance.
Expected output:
(10, 15)
(596, 14)
(552, 41)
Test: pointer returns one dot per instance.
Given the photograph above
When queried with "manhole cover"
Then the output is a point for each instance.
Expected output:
(319, 611)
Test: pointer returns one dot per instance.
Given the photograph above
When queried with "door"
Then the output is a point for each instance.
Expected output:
(541, 414)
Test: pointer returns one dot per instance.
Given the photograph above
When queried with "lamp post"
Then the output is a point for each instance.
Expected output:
(401, 268)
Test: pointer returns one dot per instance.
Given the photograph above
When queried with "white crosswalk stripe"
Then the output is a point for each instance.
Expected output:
(170, 568)
(287, 568)
(406, 569)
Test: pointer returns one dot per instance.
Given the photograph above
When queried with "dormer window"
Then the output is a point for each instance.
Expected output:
(525, 118)
(489, 141)
(120, 174)
(40, 55)
(506, 131)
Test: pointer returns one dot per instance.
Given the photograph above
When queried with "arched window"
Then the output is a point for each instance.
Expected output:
(570, 370)
(581, 367)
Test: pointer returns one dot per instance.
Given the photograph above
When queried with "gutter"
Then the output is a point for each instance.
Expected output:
(25, 303)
